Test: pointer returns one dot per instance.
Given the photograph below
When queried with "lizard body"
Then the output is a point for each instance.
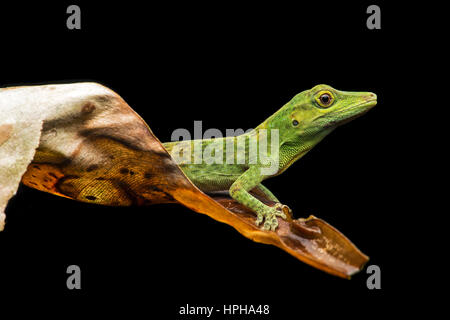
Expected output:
(286, 136)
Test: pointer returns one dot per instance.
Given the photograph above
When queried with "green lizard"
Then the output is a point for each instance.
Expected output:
(298, 126)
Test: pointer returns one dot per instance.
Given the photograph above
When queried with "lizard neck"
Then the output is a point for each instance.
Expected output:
(290, 153)
(292, 150)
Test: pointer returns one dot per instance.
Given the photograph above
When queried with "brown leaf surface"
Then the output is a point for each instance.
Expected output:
(101, 151)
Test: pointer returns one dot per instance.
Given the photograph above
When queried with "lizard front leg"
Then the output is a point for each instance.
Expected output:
(239, 191)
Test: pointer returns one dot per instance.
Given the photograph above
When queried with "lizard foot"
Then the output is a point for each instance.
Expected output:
(270, 217)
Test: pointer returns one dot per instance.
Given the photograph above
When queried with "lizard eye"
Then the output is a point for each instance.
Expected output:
(325, 99)
(294, 123)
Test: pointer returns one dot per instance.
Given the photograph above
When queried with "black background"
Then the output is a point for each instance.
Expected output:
(230, 66)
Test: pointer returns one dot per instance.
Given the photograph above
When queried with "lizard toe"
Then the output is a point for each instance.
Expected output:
(259, 219)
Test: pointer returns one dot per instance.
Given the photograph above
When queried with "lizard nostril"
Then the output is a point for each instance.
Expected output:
(372, 96)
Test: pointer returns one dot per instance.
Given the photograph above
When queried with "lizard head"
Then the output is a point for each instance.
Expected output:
(314, 113)
(323, 107)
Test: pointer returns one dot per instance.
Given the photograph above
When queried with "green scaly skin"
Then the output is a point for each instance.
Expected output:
(302, 123)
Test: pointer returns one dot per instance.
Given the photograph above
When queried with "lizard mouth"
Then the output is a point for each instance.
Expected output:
(348, 114)
(366, 105)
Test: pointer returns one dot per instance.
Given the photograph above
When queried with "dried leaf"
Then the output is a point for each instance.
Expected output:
(94, 148)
